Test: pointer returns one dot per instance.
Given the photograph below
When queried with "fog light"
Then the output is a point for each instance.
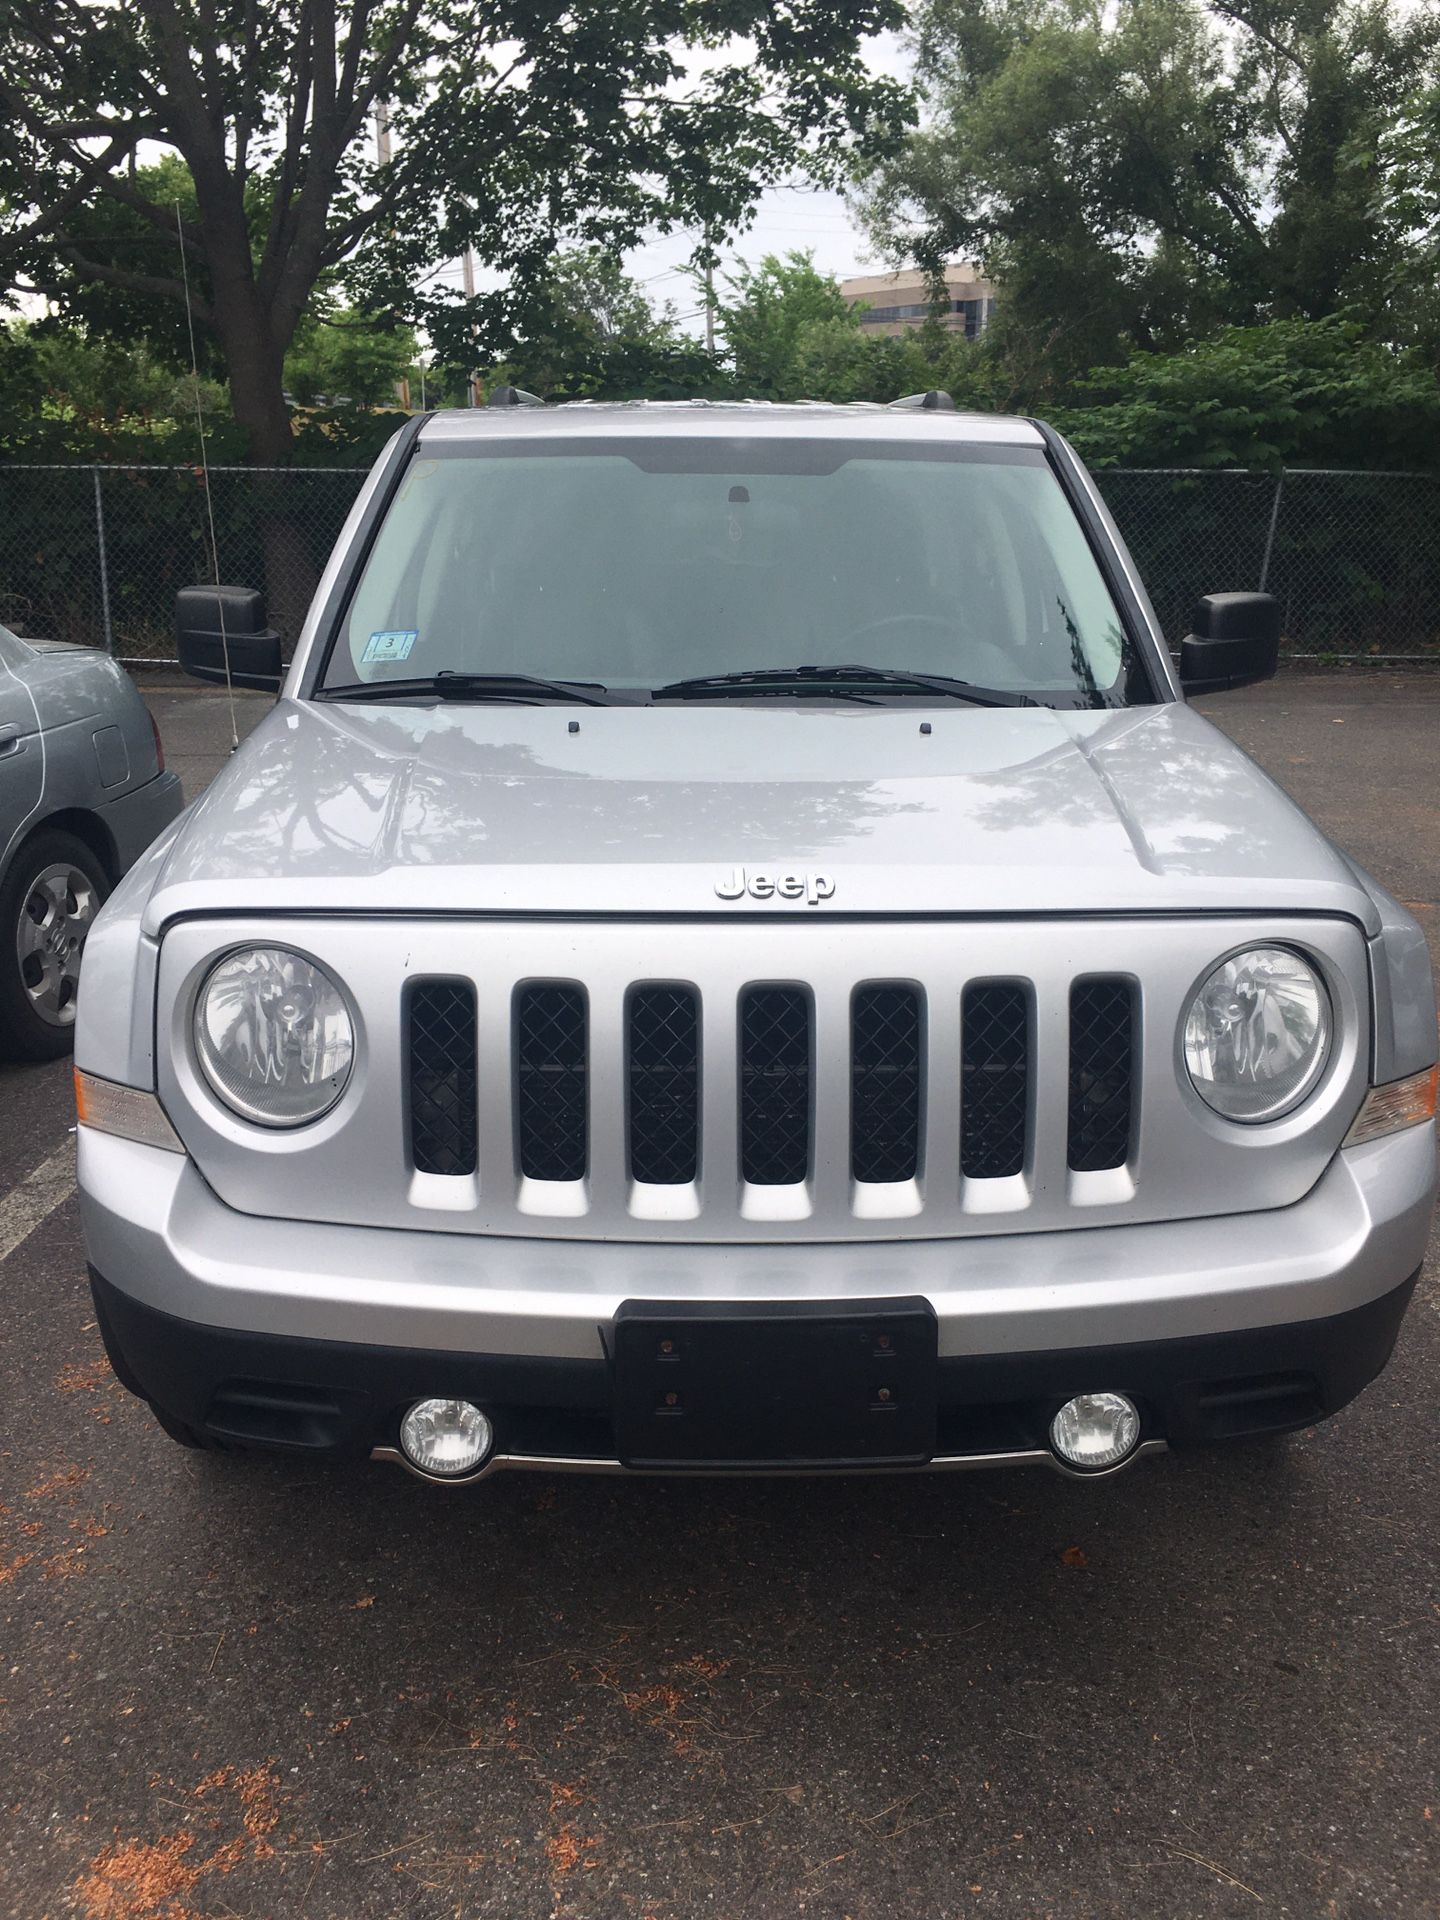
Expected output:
(446, 1438)
(1095, 1430)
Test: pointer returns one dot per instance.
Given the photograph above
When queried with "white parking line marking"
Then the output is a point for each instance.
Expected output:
(36, 1198)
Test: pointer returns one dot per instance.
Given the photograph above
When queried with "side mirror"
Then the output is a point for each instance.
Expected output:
(202, 641)
(1234, 641)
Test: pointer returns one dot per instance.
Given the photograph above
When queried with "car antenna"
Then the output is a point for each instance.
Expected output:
(205, 479)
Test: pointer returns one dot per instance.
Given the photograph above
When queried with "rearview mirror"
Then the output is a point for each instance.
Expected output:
(213, 621)
(1234, 641)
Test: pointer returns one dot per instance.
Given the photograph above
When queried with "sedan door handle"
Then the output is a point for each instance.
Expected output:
(9, 739)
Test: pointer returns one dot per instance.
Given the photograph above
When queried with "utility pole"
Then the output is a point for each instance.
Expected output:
(709, 295)
(383, 152)
(467, 270)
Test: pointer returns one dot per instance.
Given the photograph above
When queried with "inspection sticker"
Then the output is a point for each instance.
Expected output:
(393, 645)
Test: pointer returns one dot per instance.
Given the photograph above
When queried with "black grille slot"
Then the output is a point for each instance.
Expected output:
(1102, 1049)
(442, 1076)
(885, 1083)
(774, 1085)
(550, 1087)
(994, 1079)
(664, 1057)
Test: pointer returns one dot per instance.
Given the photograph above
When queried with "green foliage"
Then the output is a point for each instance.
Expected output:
(1136, 176)
(1293, 392)
(787, 326)
(597, 336)
(123, 241)
(66, 395)
(592, 292)
(653, 369)
(1297, 392)
(344, 357)
(792, 337)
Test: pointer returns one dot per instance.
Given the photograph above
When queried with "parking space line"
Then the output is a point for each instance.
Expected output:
(36, 1198)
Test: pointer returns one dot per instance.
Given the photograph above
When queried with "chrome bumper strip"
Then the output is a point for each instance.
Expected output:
(943, 1463)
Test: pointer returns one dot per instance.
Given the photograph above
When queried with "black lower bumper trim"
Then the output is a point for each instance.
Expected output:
(325, 1396)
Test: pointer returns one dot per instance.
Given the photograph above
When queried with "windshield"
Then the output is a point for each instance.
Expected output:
(632, 566)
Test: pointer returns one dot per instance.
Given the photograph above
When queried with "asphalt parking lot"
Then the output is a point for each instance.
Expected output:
(241, 1688)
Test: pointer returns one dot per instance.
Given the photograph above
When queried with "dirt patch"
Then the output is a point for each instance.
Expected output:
(93, 1377)
(153, 1879)
(140, 1880)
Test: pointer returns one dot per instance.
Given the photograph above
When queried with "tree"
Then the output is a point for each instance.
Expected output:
(781, 314)
(341, 355)
(593, 333)
(1140, 175)
(509, 122)
(1308, 392)
(1410, 168)
(591, 290)
(117, 236)
(794, 337)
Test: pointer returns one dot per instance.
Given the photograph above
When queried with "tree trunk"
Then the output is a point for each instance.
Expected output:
(257, 397)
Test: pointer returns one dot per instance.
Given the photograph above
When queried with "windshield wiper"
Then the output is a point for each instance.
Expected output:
(525, 689)
(831, 679)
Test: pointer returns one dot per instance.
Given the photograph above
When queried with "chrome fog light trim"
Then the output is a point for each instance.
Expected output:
(446, 1439)
(1095, 1431)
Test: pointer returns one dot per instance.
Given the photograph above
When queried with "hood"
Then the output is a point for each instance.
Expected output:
(647, 810)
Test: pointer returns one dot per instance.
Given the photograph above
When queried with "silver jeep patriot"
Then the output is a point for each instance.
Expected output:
(732, 952)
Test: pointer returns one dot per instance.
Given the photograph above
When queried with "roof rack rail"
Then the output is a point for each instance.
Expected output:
(935, 401)
(512, 397)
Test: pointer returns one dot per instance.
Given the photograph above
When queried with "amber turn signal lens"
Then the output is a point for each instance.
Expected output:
(1404, 1103)
(129, 1112)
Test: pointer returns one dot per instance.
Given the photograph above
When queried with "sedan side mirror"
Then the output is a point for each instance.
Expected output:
(1234, 641)
(213, 621)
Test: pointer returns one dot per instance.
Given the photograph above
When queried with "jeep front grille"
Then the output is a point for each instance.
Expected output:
(891, 1114)
(441, 1036)
(774, 1086)
(663, 1060)
(885, 1084)
(994, 1079)
(1102, 1021)
(551, 1071)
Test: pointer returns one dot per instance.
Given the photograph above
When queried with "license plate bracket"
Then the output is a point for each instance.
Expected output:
(794, 1384)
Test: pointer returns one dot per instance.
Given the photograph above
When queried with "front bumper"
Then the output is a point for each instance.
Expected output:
(312, 1336)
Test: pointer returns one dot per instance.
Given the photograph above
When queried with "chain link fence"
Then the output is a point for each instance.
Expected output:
(95, 554)
(1352, 557)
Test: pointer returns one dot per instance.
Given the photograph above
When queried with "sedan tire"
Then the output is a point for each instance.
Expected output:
(48, 902)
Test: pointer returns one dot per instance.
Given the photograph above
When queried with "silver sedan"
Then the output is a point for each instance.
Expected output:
(83, 792)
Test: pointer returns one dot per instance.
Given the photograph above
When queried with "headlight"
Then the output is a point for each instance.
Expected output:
(1258, 1034)
(274, 1036)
